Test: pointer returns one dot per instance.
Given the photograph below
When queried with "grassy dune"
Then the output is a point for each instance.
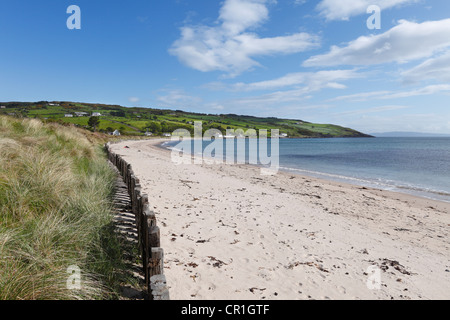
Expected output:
(55, 212)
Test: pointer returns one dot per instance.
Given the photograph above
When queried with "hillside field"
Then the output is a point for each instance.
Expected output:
(137, 121)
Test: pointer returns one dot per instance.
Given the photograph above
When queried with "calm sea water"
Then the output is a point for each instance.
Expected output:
(419, 166)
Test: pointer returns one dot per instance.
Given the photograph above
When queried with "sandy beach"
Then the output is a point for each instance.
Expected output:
(230, 233)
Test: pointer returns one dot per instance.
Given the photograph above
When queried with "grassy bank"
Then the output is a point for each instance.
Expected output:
(136, 121)
(55, 212)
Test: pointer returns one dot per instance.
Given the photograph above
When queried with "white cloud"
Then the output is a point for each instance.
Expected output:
(239, 15)
(311, 81)
(215, 106)
(428, 90)
(298, 89)
(383, 95)
(178, 99)
(344, 9)
(417, 122)
(134, 99)
(229, 46)
(299, 2)
(437, 68)
(361, 96)
(276, 98)
(373, 110)
(405, 42)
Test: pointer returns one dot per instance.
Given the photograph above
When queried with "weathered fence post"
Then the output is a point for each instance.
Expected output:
(158, 288)
(149, 215)
(154, 237)
(135, 201)
(156, 262)
(143, 201)
(149, 234)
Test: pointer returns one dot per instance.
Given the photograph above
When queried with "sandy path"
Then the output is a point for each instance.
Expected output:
(230, 233)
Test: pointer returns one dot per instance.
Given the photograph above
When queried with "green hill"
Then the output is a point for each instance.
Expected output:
(137, 121)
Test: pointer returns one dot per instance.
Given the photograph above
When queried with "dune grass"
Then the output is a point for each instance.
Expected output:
(55, 212)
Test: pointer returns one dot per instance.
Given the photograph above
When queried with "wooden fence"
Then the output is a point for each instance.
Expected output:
(148, 232)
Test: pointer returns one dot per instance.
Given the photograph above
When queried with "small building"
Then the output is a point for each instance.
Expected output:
(81, 114)
(2, 107)
(284, 135)
(166, 135)
(96, 114)
(148, 134)
(54, 104)
(116, 133)
(68, 115)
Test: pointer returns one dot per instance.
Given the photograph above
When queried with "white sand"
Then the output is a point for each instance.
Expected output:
(230, 233)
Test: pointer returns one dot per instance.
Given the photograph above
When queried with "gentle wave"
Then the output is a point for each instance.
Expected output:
(389, 185)
(383, 184)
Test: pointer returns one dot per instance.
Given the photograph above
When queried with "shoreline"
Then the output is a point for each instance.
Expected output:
(345, 180)
(230, 233)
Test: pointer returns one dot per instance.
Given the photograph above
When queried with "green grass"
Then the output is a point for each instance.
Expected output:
(55, 212)
(130, 124)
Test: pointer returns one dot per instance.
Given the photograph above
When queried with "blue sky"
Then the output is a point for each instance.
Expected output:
(302, 59)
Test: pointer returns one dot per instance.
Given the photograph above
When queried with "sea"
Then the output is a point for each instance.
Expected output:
(417, 166)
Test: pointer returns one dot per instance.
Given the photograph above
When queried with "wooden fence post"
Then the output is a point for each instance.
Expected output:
(156, 262)
(158, 288)
(149, 234)
(135, 199)
(154, 237)
(149, 215)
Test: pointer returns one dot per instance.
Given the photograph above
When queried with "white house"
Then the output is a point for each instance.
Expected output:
(166, 135)
(96, 114)
(284, 135)
(68, 115)
(54, 104)
(148, 134)
(116, 133)
(81, 114)
(2, 107)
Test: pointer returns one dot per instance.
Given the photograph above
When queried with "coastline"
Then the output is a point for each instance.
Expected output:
(233, 234)
(429, 194)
